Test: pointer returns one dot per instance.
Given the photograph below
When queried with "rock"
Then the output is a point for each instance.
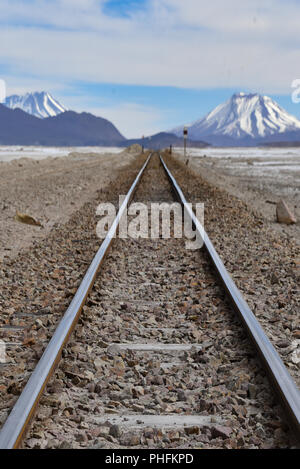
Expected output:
(81, 437)
(151, 320)
(39, 323)
(274, 278)
(221, 431)
(104, 432)
(138, 408)
(83, 426)
(103, 344)
(252, 391)
(173, 436)
(283, 344)
(260, 432)
(98, 387)
(89, 375)
(44, 413)
(91, 387)
(99, 364)
(181, 395)
(203, 405)
(108, 410)
(118, 366)
(283, 213)
(130, 439)
(157, 379)
(116, 431)
(192, 430)
(295, 357)
(65, 445)
(113, 350)
(28, 220)
(99, 445)
(100, 432)
(148, 432)
(138, 391)
(38, 434)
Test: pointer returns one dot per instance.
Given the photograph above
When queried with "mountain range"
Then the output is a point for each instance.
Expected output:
(245, 119)
(39, 119)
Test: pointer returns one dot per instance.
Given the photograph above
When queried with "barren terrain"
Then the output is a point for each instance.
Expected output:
(49, 190)
(260, 177)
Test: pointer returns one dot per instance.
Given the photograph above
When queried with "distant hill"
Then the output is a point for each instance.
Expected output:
(164, 140)
(66, 129)
(283, 144)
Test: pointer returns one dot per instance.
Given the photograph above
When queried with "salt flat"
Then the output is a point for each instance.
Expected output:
(9, 153)
(259, 176)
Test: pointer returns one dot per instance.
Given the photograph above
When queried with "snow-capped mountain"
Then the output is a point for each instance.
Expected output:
(243, 119)
(37, 104)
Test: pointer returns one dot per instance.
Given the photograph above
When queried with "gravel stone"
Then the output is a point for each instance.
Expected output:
(172, 297)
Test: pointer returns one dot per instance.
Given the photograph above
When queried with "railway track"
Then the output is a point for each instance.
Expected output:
(159, 357)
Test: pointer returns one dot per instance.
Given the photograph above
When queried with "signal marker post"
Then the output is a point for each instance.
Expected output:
(185, 134)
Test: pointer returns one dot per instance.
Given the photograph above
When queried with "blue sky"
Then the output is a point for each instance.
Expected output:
(150, 65)
(123, 8)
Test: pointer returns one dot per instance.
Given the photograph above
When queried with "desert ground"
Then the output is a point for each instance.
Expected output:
(49, 189)
(258, 176)
(42, 267)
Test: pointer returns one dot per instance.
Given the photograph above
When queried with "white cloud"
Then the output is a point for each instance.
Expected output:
(22, 84)
(131, 119)
(195, 43)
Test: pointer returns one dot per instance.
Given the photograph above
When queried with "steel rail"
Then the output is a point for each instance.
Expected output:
(284, 385)
(18, 420)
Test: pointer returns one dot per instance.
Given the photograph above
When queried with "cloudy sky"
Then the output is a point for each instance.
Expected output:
(150, 65)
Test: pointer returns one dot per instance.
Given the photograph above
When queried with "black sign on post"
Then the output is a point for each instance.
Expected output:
(185, 134)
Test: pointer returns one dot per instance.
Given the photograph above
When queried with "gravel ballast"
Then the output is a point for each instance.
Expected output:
(157, 292)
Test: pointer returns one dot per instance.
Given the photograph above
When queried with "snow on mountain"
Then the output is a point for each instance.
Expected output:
(40, 105)
(244, 117)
